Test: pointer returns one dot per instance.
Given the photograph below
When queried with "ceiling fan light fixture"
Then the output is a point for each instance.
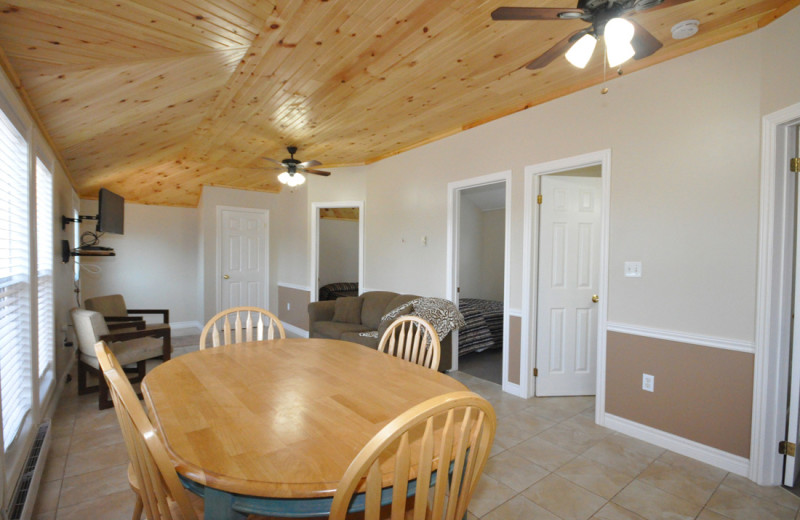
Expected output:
(581, 51)
(618, 35)
(284, 177)
(296, 180)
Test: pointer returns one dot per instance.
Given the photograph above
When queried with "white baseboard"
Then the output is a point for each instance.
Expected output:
(695, 450)
(514, 389)
(185, 328)
(297, 331)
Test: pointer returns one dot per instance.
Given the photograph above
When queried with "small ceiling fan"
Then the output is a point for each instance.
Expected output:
(293, 169)
(624, 37)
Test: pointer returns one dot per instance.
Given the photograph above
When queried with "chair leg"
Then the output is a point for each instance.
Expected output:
(137, 509)
(103, 399)
(82, 379)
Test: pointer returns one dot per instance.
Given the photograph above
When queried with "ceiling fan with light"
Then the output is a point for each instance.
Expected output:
(624, 38)
(293, 169)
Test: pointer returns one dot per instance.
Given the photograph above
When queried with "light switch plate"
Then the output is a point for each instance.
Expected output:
(648, 382)
(633, 269)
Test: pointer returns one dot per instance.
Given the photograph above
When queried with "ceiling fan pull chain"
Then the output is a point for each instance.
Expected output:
(604, 90)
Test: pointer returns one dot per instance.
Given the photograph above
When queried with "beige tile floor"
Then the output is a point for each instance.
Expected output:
(549, 462)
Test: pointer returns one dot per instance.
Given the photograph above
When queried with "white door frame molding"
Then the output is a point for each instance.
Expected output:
(530, 256)
(773, 303)
(453, 212)
(218, 269)
(314, 220)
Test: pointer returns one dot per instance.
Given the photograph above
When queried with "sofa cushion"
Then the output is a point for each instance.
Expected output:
(374, 306)
(334, 330)
(355, 337)
(348, 309)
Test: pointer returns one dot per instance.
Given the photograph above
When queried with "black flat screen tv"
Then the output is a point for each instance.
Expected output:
(111, 212)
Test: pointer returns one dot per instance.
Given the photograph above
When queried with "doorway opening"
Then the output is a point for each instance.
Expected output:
(479, 221)
(337, 245)
(565, 277)
(481, 236)
(773, 380)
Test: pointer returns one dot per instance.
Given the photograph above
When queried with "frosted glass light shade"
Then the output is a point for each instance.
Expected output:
(284, 177)
(619, 53)
(296, 180)
(618, 34)
(618, 30)
(581, 51)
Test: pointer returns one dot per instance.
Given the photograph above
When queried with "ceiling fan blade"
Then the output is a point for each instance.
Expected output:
(536, 13)
(555, 51)
(309, 163)
(662, 5)
(643, 42)
(316, 172)
(274, 161)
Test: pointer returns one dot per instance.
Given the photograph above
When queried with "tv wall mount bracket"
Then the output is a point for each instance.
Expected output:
(81, 218)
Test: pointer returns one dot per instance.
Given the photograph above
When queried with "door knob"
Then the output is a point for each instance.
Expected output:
(225, 276)
(595, 298)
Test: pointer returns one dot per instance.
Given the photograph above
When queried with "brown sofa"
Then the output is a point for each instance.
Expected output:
(326, 321)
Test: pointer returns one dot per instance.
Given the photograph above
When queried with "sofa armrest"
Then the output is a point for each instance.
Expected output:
(321, 311)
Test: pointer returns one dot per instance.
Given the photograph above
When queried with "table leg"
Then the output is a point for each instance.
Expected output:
(219, 506)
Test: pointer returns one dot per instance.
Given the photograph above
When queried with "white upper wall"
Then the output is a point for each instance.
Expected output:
(155, 266)
(685, 142)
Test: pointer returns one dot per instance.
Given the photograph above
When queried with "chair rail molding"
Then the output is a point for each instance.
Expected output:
(684, 337)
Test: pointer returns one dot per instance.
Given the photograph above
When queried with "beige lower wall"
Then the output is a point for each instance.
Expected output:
(514, 343)
(702, 394)
(293, 306)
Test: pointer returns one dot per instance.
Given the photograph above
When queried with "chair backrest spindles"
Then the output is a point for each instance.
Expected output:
(463, 422)
(413, 339)
(244, 322)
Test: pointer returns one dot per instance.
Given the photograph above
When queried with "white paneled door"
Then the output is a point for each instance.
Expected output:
(568, 282)
(244, 260)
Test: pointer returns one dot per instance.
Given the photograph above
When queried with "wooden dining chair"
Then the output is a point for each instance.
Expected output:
(413, 339)
(151, 474)
(457, 428)
(264, 325)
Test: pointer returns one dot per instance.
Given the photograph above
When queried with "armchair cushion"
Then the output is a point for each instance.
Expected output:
(348, 309)
(112, 305)
(129, 347)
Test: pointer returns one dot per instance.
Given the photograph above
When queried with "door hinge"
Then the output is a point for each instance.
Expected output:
(539, 199)
(535, 372)
(787, 448)
(794, 164)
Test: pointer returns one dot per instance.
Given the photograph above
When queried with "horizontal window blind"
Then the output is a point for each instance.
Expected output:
(15, 316)
(44, 263)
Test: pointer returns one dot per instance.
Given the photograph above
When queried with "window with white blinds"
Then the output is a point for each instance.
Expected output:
(15, 315)
(44, 265)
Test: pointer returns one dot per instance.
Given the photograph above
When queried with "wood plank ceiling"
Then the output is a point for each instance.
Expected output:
(153, 99)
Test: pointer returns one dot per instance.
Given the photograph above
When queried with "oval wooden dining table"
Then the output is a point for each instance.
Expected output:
(270, 427)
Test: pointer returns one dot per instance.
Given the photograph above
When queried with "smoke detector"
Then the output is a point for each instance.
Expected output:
(685, 29)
